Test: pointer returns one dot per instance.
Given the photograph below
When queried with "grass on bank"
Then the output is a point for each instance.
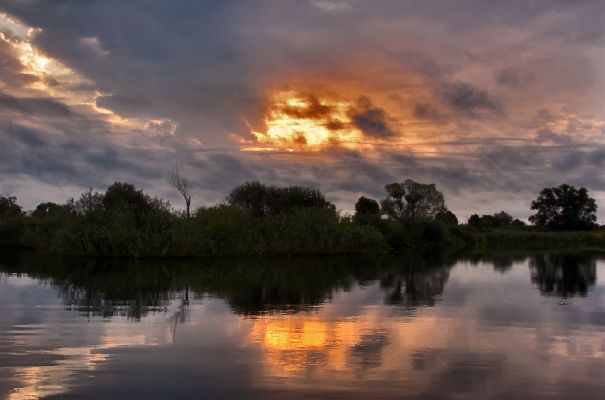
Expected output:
(225, 231)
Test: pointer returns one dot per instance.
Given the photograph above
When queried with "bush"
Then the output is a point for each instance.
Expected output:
(224, 230)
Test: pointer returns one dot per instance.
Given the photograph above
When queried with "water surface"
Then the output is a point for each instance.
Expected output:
(499, 326)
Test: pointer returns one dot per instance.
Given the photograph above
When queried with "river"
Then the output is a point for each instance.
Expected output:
(493, 326)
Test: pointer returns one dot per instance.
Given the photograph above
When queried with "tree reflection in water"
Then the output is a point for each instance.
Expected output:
(257, 286)
(563, 275)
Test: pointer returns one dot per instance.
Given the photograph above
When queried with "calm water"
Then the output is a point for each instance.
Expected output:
(503, 326)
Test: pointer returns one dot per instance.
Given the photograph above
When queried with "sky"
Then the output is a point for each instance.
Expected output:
(491, 101)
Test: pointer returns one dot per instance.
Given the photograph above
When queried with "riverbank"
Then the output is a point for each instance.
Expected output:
(533, 239)
(220, 232)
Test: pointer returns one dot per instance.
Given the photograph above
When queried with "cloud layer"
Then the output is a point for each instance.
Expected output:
(491, 103)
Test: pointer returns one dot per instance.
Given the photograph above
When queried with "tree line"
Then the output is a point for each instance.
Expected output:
(257, 218)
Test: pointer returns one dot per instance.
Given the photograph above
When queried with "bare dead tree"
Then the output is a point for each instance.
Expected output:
(183, 185)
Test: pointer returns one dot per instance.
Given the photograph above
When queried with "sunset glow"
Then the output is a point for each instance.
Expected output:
(298, 122)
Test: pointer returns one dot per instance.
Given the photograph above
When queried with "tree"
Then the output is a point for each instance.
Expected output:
(367, 211)
(474, 221)
(412, 200)
(50, 210)
(124, 196)
(9, 207)
(489, 221)
(503, 218)
(365, 206)
(261, 200)
(88, 203)
(183, 185)
(250, 197)
(447, 217)
(124, 199)
(564, 208)
(518, 224)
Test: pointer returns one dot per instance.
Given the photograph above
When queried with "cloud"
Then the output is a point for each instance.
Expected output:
(372, 121)
(150, 81)
(313, 110)
(568, 161)
(428, 112)
(11, 70)
(137, 105)
(469, 99)
(93, 45)
(331, 6)
(37, 106)
(512, 77)
(597, 157)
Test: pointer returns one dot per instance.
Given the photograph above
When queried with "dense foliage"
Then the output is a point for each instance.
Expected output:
(412, 200)
(497, 220)
(9, 207)
(258, 219)
(564, 208)
(262, 200)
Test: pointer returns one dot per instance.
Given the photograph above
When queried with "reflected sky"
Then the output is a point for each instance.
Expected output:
(498, 326)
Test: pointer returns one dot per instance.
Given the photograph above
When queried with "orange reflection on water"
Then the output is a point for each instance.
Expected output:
(54, 379)
(293, 344)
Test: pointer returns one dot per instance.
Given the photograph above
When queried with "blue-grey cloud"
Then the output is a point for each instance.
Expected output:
(371, 120)
(467, 98)
(37, 106)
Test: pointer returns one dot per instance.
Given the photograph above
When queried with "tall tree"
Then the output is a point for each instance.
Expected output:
(412, 200)
(9, 207)
(183, 185)
(366, 206)
(447, 217)
(564, 208)
(503, 218)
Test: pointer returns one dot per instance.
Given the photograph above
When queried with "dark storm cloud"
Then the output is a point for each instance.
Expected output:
(37, 106)
(467, 98)
(371, 120)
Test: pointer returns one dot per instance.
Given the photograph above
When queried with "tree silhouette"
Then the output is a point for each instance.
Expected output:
(367, 211)
(412, 200)
(9, 207)
(564, 208)
(501, 219)
(183, 185)
(262, 200)
(50, 210)
(365, 206)
(447, 217)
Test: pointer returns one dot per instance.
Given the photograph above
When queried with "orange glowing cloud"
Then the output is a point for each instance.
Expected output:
(295, 121)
